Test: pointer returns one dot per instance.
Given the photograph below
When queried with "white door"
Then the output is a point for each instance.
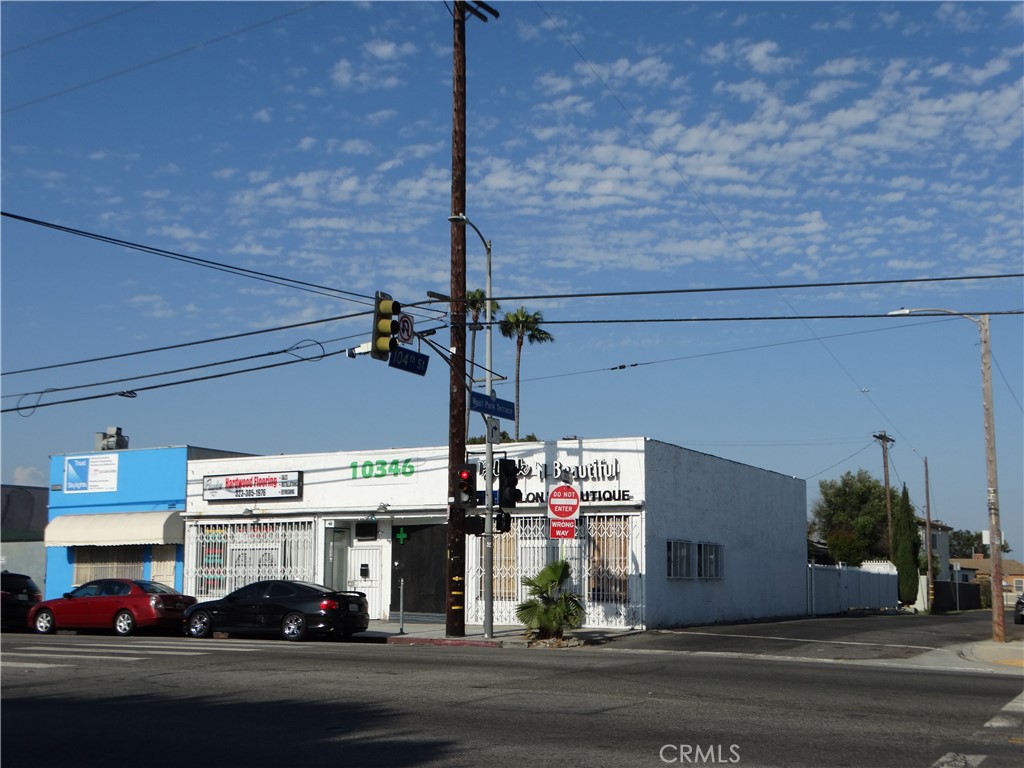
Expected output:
(365, 574)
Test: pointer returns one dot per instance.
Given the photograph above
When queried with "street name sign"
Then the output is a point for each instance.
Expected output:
(492, 406)
(408, 360)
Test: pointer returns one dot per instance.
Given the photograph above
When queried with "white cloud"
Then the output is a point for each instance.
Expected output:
(262, 116)
(29, 476)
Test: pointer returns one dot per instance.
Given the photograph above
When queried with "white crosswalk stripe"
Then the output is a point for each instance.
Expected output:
(30, 655)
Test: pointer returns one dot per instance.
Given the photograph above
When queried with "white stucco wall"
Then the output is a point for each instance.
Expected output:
(758, 516)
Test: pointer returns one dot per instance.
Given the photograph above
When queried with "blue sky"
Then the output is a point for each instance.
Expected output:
(612, 148)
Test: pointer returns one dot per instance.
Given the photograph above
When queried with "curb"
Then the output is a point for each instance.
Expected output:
(414, 640)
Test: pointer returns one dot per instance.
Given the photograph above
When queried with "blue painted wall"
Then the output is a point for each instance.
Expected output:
(148, 480)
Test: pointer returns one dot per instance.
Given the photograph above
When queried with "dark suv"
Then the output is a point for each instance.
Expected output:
(19, 594)
(1018, 610)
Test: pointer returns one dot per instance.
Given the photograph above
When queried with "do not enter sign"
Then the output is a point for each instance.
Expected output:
(564, 502)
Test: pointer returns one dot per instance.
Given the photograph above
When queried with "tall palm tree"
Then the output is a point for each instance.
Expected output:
(476, 305)
(520, 325)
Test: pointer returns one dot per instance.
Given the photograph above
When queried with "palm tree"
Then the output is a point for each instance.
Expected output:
(551, 609)
(520, 325)
(476, 305)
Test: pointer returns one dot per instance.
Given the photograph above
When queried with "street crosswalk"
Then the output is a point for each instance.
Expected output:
(30, 653)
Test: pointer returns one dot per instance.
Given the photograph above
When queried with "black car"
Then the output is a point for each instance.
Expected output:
(1018, 610)
(295, 609)
(19, 594)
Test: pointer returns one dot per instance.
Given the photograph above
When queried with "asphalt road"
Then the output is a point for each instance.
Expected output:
(645, 700)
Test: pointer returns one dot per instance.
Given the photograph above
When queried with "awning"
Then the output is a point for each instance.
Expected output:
(115, 529)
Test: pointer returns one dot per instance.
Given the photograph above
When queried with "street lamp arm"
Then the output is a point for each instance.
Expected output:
(903, 311)
(461, 218)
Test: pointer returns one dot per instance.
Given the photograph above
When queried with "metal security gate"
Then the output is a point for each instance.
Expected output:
(222, 556)
(605, 560)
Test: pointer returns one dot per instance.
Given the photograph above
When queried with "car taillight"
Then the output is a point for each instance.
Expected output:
(156, 602)
(328, 605)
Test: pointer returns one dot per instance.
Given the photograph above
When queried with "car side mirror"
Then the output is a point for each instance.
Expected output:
(67, 594)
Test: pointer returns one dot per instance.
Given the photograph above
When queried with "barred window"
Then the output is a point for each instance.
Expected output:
(703, 560)
(710, 561)
(121, 562)
(680, 559)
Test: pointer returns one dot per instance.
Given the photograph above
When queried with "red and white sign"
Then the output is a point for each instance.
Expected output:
(562, 529)
(564, 503)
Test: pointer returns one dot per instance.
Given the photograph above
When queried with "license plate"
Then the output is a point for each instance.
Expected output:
(23, 598)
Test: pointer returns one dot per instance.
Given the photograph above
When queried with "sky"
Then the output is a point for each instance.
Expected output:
(714, 207)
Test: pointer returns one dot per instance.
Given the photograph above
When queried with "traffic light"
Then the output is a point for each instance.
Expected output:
(502, 522)
(508, 479)
(474, 525)
(465, 486)
(385, 326)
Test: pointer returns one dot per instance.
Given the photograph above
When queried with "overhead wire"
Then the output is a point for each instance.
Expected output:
(159, 59)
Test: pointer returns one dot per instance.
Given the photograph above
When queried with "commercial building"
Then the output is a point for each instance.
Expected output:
(117, 513)
(664, 536)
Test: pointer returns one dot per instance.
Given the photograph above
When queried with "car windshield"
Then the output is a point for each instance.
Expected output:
(156, 588)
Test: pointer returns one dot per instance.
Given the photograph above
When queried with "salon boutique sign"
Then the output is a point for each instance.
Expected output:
(589, 477)
(267, 485)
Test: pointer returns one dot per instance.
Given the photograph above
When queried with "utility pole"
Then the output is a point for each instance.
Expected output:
(928, 535)
(884, 439)
(455, 575)
(455, 565)
(995, 531)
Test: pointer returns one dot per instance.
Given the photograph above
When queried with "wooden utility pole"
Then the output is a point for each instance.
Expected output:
(928, 535)
(884, 439)
(455, 571)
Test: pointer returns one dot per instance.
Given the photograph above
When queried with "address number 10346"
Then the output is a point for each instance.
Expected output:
(365, 470)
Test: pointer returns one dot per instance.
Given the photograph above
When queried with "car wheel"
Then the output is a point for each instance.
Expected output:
(124, 623)
(1018, 618)
(200, 625)
(44, 623)
(294, 627)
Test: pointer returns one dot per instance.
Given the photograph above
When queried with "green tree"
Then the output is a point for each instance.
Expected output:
(966, 543)
(850, 517)
(476, 305)
(906, 548)
(551, 608)
(522, 325)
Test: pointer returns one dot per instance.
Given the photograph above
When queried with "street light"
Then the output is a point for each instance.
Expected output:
(994, 529)
(461, 218)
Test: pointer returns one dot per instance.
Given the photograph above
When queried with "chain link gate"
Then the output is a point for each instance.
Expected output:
(222, 556)
(605, 562)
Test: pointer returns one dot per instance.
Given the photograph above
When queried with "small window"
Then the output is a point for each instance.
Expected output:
(680, 559)
(710, 561)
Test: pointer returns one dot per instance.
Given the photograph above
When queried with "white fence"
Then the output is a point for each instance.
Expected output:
(838, 588)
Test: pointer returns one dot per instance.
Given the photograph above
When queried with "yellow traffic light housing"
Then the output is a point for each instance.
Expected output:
(385, 326)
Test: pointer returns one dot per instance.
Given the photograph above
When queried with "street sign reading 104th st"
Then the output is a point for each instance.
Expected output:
(408, 360)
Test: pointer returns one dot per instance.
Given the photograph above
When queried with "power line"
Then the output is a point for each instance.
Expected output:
(134, 392)
(290, 282)
(79, 28)
(158, 59)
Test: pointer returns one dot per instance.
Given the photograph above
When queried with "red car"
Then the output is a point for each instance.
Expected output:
(123, 605)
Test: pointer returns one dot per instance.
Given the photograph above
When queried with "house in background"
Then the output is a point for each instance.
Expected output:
(1013, 574)
(21, 529)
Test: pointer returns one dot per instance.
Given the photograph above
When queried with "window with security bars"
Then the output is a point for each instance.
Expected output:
(702, 560)
(680, 559)
(710, 561)
(124, 562)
